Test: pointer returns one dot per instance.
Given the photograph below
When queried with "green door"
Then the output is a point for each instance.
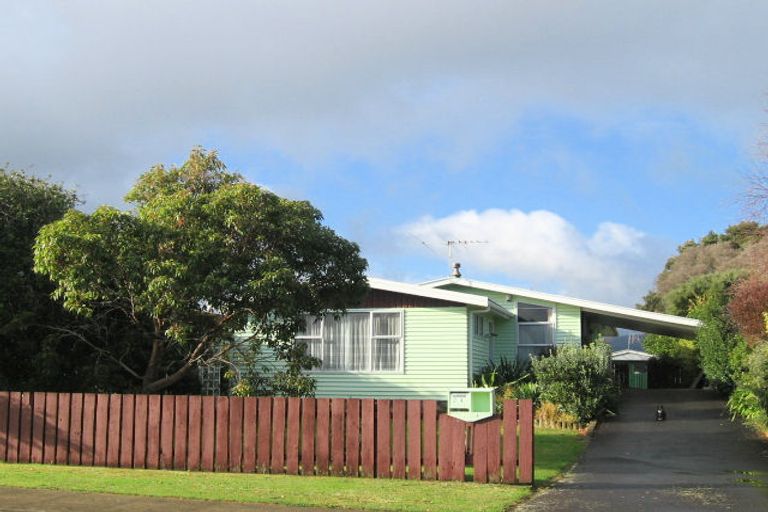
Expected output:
(638, 375)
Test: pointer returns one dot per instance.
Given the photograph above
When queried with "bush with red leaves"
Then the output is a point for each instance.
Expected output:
(749, 302)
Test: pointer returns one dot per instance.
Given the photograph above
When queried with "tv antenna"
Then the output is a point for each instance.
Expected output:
(453, 243)
(455, 267)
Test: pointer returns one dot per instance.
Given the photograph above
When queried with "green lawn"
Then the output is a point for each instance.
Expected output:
(555, 451)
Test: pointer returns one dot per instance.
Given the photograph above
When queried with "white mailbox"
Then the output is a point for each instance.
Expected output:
(472, 404)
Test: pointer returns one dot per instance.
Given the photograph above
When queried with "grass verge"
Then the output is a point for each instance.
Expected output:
(555, 451)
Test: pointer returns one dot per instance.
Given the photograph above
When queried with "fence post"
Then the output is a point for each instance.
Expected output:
(429, 427)
(510, 442)
(38, 429)
(323, 440)
(353, 436)
(413, 414)
(180, 437)
(337, 436)
(526, 442)
(14, 418)
(235, 433)
(383, 441)
(140, 405)
(126, 428)
(4, 405)
(250, 422)
(292, 436)
(308, 410)
(445, 454)
(277, 462)
(368, 437)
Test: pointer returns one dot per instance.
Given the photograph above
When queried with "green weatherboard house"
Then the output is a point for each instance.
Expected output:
(420, 341)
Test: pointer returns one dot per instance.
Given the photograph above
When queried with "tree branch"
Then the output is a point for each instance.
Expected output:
(98, 349)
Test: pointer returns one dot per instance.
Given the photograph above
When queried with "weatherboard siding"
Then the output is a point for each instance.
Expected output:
(480, 349)
(435, 360)
(567, 319)
(505, 342)
(568, 325)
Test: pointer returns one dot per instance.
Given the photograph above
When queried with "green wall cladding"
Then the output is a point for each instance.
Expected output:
(436, 360)
(436, 351)
(567, 326)
(480, 347)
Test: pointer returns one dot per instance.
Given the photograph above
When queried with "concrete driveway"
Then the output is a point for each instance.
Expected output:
(696, 460)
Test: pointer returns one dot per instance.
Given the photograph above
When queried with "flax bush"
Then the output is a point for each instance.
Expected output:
(579, 380)
(501, 372)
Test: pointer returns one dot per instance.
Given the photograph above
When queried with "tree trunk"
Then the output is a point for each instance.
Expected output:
(153, 366)
(152, 384)
(170, 380)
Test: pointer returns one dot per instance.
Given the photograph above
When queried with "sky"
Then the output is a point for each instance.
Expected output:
(580, 142)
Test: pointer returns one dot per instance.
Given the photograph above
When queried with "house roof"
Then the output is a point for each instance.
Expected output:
(436, 293)
(609, 314)
(631, 355)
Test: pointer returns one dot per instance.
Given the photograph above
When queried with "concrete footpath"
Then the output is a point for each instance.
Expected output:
(696, 460)
(43, 500)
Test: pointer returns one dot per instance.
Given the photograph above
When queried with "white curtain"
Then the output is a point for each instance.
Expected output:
(386, 341)
(333, 344)
(356, 336)
(346, 344)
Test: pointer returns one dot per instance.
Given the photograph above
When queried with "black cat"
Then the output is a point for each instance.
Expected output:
(661, 414)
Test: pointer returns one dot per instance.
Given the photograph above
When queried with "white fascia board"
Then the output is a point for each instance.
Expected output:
(434, 293)
(586, 305)
(499, 310)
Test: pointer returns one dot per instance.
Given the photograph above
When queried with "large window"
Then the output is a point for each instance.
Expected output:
(535, 330)
(356, 342)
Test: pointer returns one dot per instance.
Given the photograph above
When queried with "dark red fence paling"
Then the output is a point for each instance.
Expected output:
(344, 437)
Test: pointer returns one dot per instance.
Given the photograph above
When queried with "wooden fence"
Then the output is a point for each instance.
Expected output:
(295, 436)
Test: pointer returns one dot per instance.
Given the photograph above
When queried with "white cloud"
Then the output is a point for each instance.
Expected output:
(93, 89)
(540, 249)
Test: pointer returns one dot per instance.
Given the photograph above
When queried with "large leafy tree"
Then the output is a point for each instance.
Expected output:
(29, 354)
(202, 255)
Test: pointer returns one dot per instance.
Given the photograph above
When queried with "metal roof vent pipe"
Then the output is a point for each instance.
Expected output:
(456, 270)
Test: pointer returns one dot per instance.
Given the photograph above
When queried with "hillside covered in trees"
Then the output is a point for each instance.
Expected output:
(721, 279)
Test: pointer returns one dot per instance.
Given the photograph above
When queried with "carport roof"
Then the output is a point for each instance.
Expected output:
(607, 314)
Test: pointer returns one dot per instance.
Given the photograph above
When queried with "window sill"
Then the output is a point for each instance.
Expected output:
(352, 372)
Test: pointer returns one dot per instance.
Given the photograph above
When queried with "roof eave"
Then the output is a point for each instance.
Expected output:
(414, 289)
(686, 325)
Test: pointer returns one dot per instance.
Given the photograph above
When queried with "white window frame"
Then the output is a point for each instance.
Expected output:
(371, 340)
(551, 322)
(479, 325)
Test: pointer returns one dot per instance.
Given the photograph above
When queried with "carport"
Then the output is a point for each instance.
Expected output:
(637, 320)
(631, 366)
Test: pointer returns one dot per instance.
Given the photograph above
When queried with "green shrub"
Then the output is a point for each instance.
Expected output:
(579, 380)
(521, 391)
(750, 398)
(498, 374)
(721, 347)
(745, 403)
